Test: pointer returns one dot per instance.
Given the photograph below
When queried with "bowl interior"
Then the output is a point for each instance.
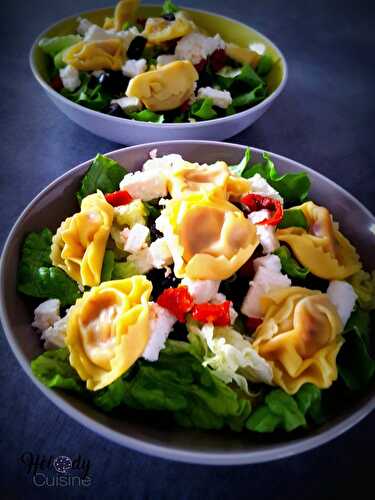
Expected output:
(57, 202)
(231, 31)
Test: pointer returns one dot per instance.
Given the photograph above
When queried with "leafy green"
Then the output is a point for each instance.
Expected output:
(364, 286)
(147, 116)
(104, 174)
(108, 265)
(56, 44)
(122, 270)
(52, 368)
(229, 78)
(356, 367)
(203, 108)
(294, 217)
(58, 60)
(250, 98)
(36, 275)
(264, 65)
(283, 411)
(289, 265)
(112, 396)
(133, 213)
(292, 187)
(169, 7)
(238, 169)
(88, 95)
(152, 209)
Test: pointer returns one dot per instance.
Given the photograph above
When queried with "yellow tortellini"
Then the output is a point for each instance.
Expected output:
(242, 55)
(79, 244)
(322, 248)
(108, 330)
(158, 30)
(91, 56)
(300, 337)
(165, 88)
(125, 11)
(209, 238)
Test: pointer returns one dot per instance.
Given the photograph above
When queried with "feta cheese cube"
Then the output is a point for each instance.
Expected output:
(259, 185)
(160, 253)
(142, 260)
(196, 46)
(268, 277)
(343, 296)
(166, 162)
(134, 67)
(146, 185)
(161, 324)
(221, 98)
(54, 336)
(128, 104)
(266, 233)
(95, 33)
(70, 77)
(201, 290)
(46, 314)
(136, 238)
(165, 59)
(83, 26)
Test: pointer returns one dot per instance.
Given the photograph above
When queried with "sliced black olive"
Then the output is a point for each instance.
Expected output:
(160, 282)
(136, 47)
(169, 17)
(115, 110)
(114, 83)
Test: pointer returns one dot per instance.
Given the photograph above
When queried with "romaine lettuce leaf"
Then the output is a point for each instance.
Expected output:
(104, 174)
(52, 368)
(169, 7)
(147, 116)
(203, 108)
(239, 78)
(108, 265)
(110, 397)
(90, 95)
(293, 217)
(364, 286)
(56, 44)
(264, 65)
(122, 270)
(239, 169)
(289, 265)
(250, 98)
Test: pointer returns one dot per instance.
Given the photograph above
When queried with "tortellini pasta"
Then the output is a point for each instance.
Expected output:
(125, 11)
(209, 238)
(242, 55)
(323, 249)
(79, 244)
(158, 30)
(108, 330)
(165, 88)
(300, 337)
(91, 56)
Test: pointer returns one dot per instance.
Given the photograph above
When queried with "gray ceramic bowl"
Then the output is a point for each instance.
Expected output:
(57, 201)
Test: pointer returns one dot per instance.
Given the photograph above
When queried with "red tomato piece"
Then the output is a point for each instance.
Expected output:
(217, 314)
(253, 323)
(178, 301)
(257, 202)
(118, 198)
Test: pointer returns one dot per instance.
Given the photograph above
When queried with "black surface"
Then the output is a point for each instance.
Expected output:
(323, 119)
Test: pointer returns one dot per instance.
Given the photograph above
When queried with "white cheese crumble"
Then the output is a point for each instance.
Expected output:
(221, 98)
(165, 59)
(160, 254)
(266, 233)
(142, 260)
(128, 104)
(259, 185)
(343, 296)
(146, 185)
(268, 277)
(201, 290)
(134, 67)
(83, 26)
(196, 46)
(46, 314)
(94, 33)
(166, 162)
(70, 77)
(161, 324)
(136, 238)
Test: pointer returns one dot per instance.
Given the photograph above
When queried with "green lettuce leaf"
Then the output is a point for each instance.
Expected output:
(169, 7)
(122, 270)
(249, 98)
(88, 95)
(293, 217)
(292, 187)
(364, 286)
(239, 169)
(356, 367)
(147, 116)
(104, 174)
(239, 78)
(289, 265)
(56, 44)
(36, 275)
(52, 368)
(203, 109)
(108, 265)
(264, 65)
(110, 397)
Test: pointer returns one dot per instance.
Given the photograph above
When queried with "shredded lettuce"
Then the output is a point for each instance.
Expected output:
(203, 108)
(36, 275)
(356, 367)
(239, 169)
(169, 7)
(147, 116)
(89, 95)
(52, 46)
(281, 410)
(133, 213)
(294, 217)
(364, 286)
(289, 265)
(104, 174)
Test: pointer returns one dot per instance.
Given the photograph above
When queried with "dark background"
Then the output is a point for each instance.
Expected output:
(323, 119)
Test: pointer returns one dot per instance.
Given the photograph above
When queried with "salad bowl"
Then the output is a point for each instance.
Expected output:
(129, 131)
(57, 201)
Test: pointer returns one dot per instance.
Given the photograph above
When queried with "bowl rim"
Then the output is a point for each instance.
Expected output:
(270, 452)
(90, 112)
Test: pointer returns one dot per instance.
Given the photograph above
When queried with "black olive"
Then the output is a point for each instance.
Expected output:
(160, 282)
(169, 16)
(114, 83)
(154, 233)
(136, 47)
(115, 110)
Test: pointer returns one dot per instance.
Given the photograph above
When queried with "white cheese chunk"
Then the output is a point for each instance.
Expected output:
(146, 185)
(268, 277)
(196, 46)
(136, 238)
(161, 324)
(343, 296)
(259, 185)
(221, 98)
(134, 67)
(201, 290)
(70, 77)
(160, 254)
(163, 163)
(94, 33)
(83, 25)
(46, 314)
(165, 59)
(142, 260)
(266, 233)
(54, 336)
(128, 104)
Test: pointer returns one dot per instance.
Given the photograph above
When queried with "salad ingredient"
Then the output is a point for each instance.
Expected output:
(289, 265)
(91, 56)
(104, 175)
(160, 254)
(342, 295)
(169, 7)
(265, 233)
(164, 88)
(79, 244)
(142, 260)
(54, 335)
(196, 47)
(220, 98)
(322, 248)
(243, 55)
(257, 202)
(70, 77)
(268, 278)
(216, 314)
(136, 238)
(128, 104)
(55, 45)
(288, 337)
(108, 330)
(46, 314)
(108, 265)
(364, 286)
(201, 290)
(134, 67)
(146, 185)
(125, 11)
(92, 97)
(177, 301)
(133, 213)
(164, 59)
(293, 218)
(118, 198)
(158, 30)
(161, 324)
(203, 108)
(122, 270)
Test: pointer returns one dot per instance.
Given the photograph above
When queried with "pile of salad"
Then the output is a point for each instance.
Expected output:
(159, 69)
(218, 296)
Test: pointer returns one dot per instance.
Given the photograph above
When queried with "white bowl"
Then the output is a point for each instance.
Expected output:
(125, 131)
